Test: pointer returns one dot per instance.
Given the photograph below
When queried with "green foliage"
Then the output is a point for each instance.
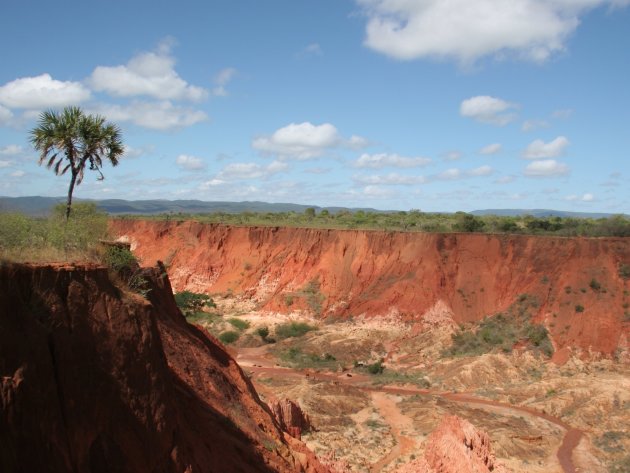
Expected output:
(417, 221)
(502, 331)
(229, 337)
(54, 237)
(14, 230)
(376, 368)
(263, 332)
(191, 302)
(624, 271)
(203, 317)
(293, 329)
(579, 308)
(296, 358)
(239, 324)
(611, 441)
(468, 223)
(595, 285)
(71, 141)
(120, 259)
(314, 298)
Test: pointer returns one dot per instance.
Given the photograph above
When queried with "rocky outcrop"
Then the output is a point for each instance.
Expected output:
(291, 418)
(97, 379)
(579, 293)
(456, 446)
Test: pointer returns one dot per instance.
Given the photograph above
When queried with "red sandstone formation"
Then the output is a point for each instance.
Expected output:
(376, 273)
(291, 418)
(96, 379)
(456, 446)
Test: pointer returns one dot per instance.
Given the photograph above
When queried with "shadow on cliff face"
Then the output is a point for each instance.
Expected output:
(96, 379)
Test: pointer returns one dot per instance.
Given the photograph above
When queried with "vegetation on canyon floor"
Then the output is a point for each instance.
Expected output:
(502, 332)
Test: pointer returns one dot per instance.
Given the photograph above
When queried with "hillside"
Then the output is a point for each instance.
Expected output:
(574, 286)
(95, 379)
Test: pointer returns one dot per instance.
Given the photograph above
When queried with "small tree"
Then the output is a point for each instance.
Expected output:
(70, 140)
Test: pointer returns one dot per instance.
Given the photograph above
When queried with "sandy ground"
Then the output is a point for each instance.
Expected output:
(541, 417)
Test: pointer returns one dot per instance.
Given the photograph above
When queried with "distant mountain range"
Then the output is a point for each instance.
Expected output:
(540, 213)
(37, 205)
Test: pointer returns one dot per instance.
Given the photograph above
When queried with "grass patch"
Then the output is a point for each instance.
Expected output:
(229, 337)
(239, 324)
(46, 239)
(296, 358)
(203, 318)
(293, 329)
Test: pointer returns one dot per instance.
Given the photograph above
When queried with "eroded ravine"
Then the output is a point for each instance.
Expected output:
(254, 360)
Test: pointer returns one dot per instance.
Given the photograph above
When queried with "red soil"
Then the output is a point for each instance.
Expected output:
(376, 273)
(93, 379)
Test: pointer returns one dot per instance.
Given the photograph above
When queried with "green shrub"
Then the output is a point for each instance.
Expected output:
(192, 302)
(502, 332)
(239, 323)
(624, 271)
(293, 329)
(579, 308)
(229, 337)
(595, 285)
(376, 368)
(263, 332)
(120, 259)
(14, 230)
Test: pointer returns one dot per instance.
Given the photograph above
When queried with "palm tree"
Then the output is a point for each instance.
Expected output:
(70, 140)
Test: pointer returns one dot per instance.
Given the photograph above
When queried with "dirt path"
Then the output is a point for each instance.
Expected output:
(254, 359)
(398, 422)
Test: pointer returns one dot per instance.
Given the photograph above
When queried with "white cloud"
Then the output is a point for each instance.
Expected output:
(583, 198)
(493, 148)
(11, 150)
(486, 109)
(239, 171)
(538, 149)
(190, 163)
(154, 115)
(313, 49)
(450, 174)
(376, 161)
(505, 180)
(357, 142)
(452, 155)
(40, 92)
(5, 115)
(546, 168)
(5, 163)
(562, 114)
(131, 152)
(221, 80)
(151, 74)
(303, 141)
(392, 179)
(481, 171)
(18, 173)
(377, 191)
(466, 30)
(531, 125)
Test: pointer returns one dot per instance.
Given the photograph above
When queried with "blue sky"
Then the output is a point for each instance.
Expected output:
(393, 104)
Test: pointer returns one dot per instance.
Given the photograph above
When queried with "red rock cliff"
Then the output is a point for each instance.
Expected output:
(94, 379)
(375, 273)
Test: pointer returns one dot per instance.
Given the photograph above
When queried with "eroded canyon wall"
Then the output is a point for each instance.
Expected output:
(95, 378)
(580, 295)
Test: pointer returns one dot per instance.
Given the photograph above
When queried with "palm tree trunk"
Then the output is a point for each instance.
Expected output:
(73, 180)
